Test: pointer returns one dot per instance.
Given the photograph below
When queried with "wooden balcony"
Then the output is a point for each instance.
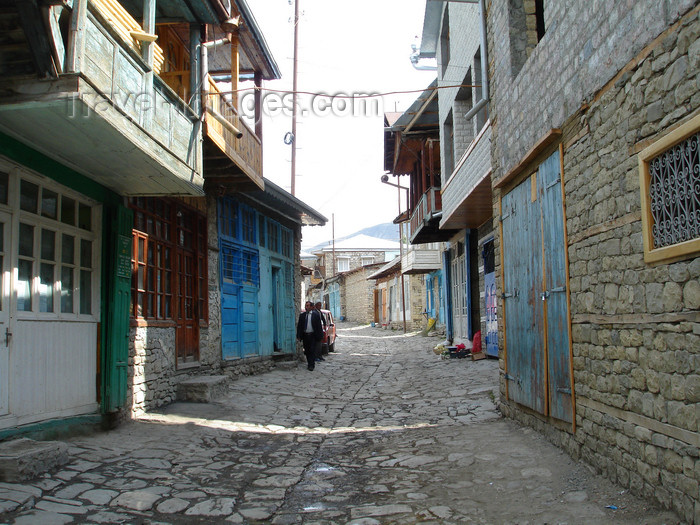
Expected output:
(237, 155)
(425, 219)
(107, 114)
(416, 261)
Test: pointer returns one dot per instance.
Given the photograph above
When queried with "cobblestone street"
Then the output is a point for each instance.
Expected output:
(383, 431)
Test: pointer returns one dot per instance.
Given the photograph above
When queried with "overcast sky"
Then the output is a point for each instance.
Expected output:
(344, 48)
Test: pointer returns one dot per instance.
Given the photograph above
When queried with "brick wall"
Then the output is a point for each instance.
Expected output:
(633, 69)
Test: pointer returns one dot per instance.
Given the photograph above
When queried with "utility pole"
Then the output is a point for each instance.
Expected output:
(333, 236)
(294, 95)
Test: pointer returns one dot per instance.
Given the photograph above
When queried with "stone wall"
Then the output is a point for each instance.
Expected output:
(618, 78)
(359, 296)
(151, 371)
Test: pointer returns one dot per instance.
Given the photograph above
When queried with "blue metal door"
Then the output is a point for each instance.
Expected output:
(522, 279)
(536, 304)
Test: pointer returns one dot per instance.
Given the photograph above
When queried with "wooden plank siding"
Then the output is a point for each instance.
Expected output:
(246, 151)
(123, 24)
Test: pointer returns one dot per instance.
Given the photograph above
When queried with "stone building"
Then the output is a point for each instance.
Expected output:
(346, 255)
(253, 286)
(391, 308)
(358, 304)
(453, 34)
(595, 120)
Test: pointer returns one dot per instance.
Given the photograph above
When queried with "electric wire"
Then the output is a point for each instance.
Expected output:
(360, 96)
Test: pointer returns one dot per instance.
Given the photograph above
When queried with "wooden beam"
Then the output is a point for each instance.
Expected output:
(235, 68)
(540, 146)
(37, 37)
(76, 37)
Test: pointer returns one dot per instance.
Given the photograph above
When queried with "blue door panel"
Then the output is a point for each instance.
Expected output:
(230, 337)
(524, 319)
(559, 374)
(491, 337)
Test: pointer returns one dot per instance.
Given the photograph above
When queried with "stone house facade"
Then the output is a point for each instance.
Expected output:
(452, 33)
(388, 303)
(590, 105)
(359, 294)
(264, 272)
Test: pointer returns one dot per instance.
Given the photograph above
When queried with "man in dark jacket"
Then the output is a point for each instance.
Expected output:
(309, 330)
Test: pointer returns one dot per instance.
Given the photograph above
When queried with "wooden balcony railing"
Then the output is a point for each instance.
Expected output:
(232, 135)
(429, 204)
(124, 25)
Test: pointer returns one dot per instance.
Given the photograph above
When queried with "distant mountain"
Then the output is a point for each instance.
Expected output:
(387, 231)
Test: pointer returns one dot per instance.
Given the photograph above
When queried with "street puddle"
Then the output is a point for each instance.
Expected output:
(316, 507)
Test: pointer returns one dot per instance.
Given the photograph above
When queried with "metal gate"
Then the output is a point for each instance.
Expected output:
(535, 300)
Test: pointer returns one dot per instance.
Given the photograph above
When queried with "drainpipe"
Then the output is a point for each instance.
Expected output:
(484, 66)
(415, 60)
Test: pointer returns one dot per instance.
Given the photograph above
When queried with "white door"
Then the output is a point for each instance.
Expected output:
(5, 330)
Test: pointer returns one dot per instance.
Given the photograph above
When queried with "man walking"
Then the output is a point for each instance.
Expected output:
(319, 343)
(309, 331)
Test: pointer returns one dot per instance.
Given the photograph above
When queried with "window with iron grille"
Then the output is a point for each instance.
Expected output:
(273, 239)
(286, 242)
(670, 194)
(248, 224)
(239, 265)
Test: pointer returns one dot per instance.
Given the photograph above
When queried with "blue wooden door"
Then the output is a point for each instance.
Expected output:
(555, 298)
(239, 302)
(522, 279)
(535, 299)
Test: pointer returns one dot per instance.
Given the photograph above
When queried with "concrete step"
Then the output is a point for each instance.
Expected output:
(287, 365)
(23, 459)
(203, 389)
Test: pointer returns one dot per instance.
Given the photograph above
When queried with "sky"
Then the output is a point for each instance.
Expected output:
(345, 48)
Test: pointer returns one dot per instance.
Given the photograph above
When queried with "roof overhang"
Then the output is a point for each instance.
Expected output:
(431, 28)
(282, 202)
(255, 44)
(193, 11)
(388, 269)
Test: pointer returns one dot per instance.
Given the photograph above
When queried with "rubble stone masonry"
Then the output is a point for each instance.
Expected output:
(614, 79)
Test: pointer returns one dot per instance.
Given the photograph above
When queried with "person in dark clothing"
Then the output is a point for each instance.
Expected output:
(309, 330)
(319, 344)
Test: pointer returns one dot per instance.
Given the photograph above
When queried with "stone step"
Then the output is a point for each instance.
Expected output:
(203, 389)
(23, 459)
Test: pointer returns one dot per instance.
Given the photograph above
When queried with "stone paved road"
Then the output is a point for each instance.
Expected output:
(383, 432)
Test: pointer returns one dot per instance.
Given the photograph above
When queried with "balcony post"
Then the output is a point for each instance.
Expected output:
(148, 54)
(193, 96)
(203, 72)
(235, 68)
(258, 105)
(423, 173)
(76, 37)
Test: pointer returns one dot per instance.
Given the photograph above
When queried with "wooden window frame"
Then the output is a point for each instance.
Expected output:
(149, 314)
(675, 252)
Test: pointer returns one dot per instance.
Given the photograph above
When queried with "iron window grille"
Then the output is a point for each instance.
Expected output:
(670, 194)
